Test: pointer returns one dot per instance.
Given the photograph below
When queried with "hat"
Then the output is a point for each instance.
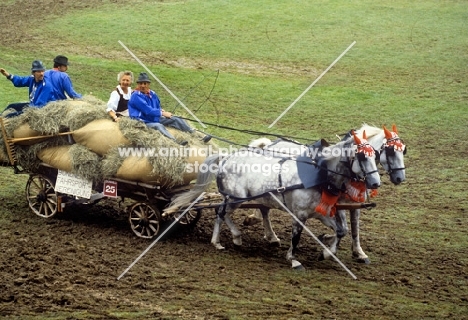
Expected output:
(143, 77)
(37, 65)
(61, 60)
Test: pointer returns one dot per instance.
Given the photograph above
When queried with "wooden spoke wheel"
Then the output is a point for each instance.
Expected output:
(190, 218)
(41, 196)
(145, 219)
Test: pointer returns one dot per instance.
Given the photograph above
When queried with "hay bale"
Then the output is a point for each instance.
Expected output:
(111, 163)
(75, 158)
(82, 112)
(64, 115)
(163, 171)
(139, 169)
(12, 123)
(25, 131)
(3, 150)
(100, 136)
(85, 163)
(97, 136)
(140, 135)
(58, 157)
(163, 167)
(48, 119)
(195, 157)
(27, 155)
(4, 157)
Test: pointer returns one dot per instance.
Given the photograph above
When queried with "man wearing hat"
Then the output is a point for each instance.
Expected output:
(144, 105)
(60, 81)
(40, 91)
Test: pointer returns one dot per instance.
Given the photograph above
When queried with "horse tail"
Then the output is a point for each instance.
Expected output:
(204, 180)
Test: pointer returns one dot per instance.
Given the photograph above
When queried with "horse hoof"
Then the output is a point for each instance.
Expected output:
(299, 268)
(237, 241)
(218, 246)
(275, 244)
(363, 260)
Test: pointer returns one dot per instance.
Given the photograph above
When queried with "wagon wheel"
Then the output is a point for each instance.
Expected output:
(190, 218)
(41, 196)
(144, 219)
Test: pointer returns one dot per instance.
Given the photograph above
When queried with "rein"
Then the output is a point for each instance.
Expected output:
(251, 132)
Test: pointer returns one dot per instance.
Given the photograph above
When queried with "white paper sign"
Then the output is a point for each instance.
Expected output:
(71, 184)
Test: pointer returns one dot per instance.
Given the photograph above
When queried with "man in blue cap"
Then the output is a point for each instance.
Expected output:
(60, 81)
(144, 105)
(40, 91)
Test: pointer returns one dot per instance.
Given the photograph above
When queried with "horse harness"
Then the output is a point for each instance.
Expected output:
(281, 188)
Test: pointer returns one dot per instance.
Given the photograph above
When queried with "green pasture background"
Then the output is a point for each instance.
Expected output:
(408, 65)
(241, 63)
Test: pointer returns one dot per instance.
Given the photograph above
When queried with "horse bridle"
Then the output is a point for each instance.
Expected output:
(389, 148)
(361, 157)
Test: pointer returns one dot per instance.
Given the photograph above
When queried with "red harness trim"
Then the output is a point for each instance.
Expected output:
(356, 191)
(396, 142)
(327, 205)
(366, 148)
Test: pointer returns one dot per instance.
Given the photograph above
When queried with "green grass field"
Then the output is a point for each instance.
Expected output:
(408, 64)
(241, 63)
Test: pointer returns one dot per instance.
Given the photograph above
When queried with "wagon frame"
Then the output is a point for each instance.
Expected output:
(145, 215)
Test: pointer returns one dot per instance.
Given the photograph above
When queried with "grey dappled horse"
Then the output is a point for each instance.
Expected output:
(238, 182)
(392, 151)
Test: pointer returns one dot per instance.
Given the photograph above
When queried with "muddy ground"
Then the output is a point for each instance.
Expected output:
(66, 267)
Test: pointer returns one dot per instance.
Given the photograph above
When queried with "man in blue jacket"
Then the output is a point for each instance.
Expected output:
(144, 105)
(40, 91)
(60, 80)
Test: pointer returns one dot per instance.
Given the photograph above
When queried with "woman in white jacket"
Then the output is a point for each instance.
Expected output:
(117, 105)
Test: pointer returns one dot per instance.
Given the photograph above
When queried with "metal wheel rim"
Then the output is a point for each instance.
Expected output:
(145, 220)
(41, 196)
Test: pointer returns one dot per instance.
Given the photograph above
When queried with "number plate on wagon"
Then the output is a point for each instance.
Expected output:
(110, 188)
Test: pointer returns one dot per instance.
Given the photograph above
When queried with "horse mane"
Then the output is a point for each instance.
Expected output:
(375, 136)
(370, 131)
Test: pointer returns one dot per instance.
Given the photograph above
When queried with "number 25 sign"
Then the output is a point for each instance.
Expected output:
(110, 188)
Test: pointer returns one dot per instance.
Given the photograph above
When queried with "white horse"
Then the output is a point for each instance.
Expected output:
(252, 174)
(392, 151)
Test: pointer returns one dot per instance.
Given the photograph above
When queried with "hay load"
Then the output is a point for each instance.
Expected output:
(82, 139)
(100, 136)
